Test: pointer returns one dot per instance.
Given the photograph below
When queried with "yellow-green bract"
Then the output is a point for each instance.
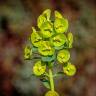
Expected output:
(39, 68)
(27, 52)
(63, 56)
(51, 93)
(46, 49)
(69, 69)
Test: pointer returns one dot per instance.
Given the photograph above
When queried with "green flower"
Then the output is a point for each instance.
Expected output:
(35, 38)
(39, 68)
(51, 93)
(58, 15)
(46, 29)
(69, 69)
(45, 16)
(27, 52)
(63, 56)
(58, 40)
(70, 39)
(60, 25)
(46, 49)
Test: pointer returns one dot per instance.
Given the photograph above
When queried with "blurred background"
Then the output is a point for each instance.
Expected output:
(16, 19)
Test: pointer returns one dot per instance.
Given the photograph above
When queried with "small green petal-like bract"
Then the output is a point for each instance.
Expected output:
(39, 68)
(69, 69)
(27, 52)
(61, 25)
(46, 29)
(58, 15)
(51, 93)
(63, 56)
(35, 38)
(47, 14)
(46, 49)
(58, 40)
(70, 39)
(43, 17)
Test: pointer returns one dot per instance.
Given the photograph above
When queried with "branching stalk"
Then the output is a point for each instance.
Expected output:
(51, 80)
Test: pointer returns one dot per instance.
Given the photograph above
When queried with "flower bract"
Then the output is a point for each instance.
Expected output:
(63, 56)
(69, 69)
(46, 49)
(27, 52)
(58, 40)
(60, 25)
(51, 93)
(35, 38)
(39, 68)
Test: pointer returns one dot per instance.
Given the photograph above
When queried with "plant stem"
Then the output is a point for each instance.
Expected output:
(51, 80)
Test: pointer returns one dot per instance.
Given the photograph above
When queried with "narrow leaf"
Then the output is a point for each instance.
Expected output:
(46, 84)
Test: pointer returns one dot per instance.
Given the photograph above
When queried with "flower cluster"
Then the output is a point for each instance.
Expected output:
(52, 42)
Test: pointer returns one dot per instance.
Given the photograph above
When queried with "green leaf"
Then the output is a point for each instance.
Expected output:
(34, 49)
(59, 48)
(63, 56)
(46, 83)
(48, 58)
(70, 39)
(61, 25)
(50, 64)
(58, 15)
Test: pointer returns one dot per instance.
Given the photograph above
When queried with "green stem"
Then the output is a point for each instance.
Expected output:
(51, 80)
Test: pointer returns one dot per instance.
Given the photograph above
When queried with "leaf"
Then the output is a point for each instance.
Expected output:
(46, 83)
(58, 15)
(34, 49)
(48, 58)
(50, 64)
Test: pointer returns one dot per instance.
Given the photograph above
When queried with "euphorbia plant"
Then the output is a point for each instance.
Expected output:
(52, 43)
